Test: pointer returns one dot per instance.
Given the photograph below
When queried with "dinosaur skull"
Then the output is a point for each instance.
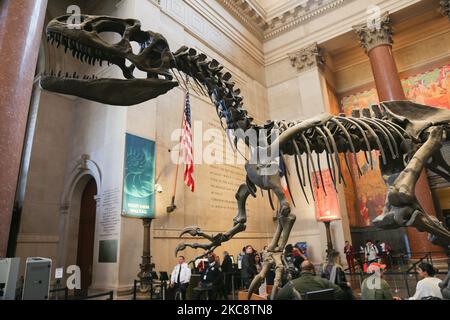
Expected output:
(85, 42)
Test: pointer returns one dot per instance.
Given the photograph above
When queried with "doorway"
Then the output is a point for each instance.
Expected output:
(86, 235)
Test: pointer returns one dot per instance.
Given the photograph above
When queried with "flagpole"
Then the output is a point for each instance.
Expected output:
(173, 206)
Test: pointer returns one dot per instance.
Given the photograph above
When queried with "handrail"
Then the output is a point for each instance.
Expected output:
(392, 273)
(415, 264)
(109, 294)
(405, 275)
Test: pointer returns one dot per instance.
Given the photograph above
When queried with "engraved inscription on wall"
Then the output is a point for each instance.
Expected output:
(224, 179)
(111, 206)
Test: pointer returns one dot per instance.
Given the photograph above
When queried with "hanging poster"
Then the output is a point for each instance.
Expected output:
(327, 203)
(139, 178)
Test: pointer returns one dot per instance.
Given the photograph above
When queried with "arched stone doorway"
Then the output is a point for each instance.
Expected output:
(78, 219)
(86, 234)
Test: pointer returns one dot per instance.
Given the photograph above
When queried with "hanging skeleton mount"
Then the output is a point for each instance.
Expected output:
(408, 136)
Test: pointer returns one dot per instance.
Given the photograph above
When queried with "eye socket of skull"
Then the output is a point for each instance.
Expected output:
(109, 26)
(118, 40)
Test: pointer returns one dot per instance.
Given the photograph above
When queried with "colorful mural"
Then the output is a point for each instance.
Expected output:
(430, 88)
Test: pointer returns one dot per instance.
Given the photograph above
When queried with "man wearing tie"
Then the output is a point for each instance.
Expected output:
(181, 276)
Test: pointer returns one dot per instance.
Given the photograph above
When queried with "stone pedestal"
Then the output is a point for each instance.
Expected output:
(21, 25)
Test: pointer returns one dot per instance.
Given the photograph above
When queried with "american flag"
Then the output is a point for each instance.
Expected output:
(187, 146)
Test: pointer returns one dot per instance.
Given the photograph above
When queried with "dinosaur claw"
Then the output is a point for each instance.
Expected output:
(179, 248)
(255, 285)
(192, 231)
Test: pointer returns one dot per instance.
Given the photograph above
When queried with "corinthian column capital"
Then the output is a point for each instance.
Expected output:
(308, 57)
(375, 32)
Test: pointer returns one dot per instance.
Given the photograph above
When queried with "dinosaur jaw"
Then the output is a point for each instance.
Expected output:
(109, 91)
(112, 91)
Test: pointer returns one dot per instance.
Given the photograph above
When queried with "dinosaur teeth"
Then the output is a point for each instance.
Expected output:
(82, 52)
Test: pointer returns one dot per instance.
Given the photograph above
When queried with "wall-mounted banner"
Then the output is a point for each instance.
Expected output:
(139, 178)
(327, 205)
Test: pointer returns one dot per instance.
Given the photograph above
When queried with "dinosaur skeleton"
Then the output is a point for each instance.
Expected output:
(408, 136)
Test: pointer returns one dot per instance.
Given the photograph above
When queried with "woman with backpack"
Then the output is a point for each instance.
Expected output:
(334, 272)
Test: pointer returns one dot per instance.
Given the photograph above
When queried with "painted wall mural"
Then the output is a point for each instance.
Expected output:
(430, 88)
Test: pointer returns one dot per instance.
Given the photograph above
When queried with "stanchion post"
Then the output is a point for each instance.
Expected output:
(233, 289)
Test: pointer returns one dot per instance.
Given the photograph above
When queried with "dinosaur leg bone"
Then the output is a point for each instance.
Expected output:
(402, 208)
(273, 259)
(286, 221)
(402, 192)
(217, 240)
(268, 263)
(423, 222)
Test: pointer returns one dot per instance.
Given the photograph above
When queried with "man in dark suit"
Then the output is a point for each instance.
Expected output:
(227, 269)
(227, 263)
(248, 271)
(211, 278)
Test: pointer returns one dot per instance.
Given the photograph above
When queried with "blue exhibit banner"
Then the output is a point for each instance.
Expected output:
(139, 178)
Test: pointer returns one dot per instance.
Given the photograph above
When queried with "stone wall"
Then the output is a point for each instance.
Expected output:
(86, 138)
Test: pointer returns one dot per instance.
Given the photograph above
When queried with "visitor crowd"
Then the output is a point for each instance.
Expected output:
(303, 278)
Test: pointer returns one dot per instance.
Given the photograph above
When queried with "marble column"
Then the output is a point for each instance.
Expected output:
(376, 40)
(21, 25)
(377, 43)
